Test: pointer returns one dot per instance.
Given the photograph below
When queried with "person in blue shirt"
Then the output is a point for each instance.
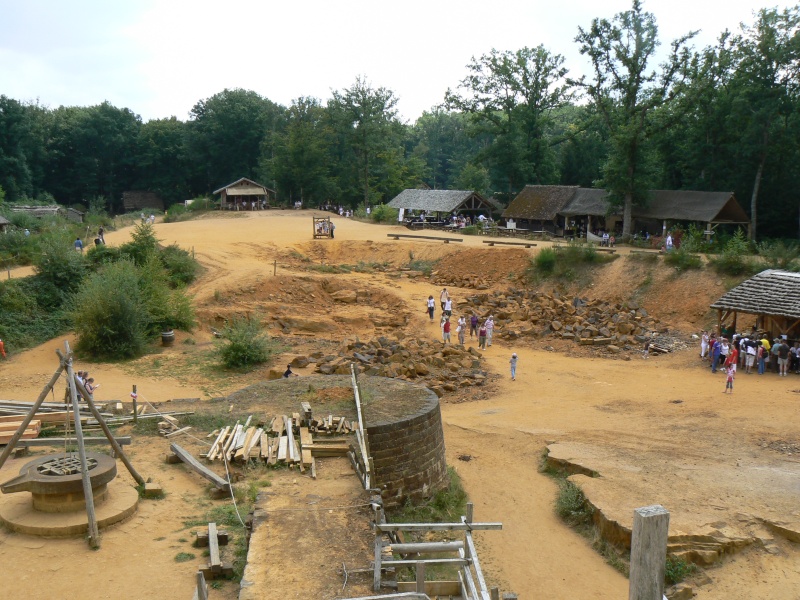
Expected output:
(78, 245)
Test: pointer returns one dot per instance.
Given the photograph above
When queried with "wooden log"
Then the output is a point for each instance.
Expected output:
(200, 469)
(648, 553)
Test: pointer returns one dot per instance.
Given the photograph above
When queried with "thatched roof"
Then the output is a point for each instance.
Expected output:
(771, 292)
(440, 200)
(686, 205)
(4, 221)
(244, 187)
(588, 201)
(539, 202)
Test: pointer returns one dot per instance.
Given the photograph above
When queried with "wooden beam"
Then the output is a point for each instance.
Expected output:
(648, 553)
(386, 527)
(200, 469)
(60, 441)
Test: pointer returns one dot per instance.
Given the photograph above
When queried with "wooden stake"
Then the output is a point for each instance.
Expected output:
(135, 412)
(93, 533)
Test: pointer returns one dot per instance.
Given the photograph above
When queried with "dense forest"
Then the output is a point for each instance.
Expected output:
(719, 118)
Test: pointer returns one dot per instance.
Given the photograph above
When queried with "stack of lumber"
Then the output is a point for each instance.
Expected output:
(9, 428)
(286, 440)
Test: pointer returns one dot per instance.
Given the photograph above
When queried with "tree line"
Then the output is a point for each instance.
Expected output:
(723, 118)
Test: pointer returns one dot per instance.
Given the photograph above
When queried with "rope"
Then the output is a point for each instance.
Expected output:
(224, 460)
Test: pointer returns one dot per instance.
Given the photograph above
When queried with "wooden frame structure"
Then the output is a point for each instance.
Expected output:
(323, 228)
(74, 386)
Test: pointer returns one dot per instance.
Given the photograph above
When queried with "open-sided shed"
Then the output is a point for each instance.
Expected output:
(244, 194)
(772, 297)
(443, 201)
(4, 223)
(539, 207)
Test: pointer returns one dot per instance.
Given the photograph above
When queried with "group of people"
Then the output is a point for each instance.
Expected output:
(749, 352)
(88, 384)
(484, 331)
(151, 219)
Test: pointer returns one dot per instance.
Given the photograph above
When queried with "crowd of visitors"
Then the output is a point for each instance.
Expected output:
(751, 352)
(483, 333)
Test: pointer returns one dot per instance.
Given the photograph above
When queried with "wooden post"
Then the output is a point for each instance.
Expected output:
(648, 552)
(93, 534)
(201, 592)
(420, 568)
(29, 417)
(135, 408)
(495, 592)
(274, 268)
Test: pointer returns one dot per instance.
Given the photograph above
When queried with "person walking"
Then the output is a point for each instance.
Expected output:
(513, 363)
(716, 350)
(443, 297)
(431, 307)
(783, 359)
(446, 330)
(731, 373)
(333, 228)
(78, 245)
(761, 354)
(461, 329)
(482, 337)
(448, 306)
(473, 325)
(704, 345)
(489, 330)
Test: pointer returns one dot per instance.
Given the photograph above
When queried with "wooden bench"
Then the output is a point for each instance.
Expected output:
(216, 569)
(609, 250)
(397, 236)
(526, 244)
(653, 252)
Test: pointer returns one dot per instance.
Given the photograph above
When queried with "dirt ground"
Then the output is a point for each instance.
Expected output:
(656, 431)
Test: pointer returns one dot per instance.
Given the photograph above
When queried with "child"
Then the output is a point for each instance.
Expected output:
(513, 363)
(646, 351)
(729, 382)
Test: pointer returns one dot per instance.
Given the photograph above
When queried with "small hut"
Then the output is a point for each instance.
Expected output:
(772, 297)
(442, 202)
(4, 224)
(538, 208)
(244, 194)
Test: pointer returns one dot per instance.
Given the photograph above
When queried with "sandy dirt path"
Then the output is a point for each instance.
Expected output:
(625, 409)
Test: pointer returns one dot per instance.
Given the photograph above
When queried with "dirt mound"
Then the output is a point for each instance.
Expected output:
(481, 264)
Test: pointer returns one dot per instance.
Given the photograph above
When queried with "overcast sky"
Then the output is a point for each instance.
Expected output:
(161, 58)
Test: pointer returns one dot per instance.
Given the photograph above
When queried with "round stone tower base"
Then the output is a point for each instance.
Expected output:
(18, 514)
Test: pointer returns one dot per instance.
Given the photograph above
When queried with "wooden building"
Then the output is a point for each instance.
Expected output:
(539, 208)
(772, 301)
(134, 200)
(245, 194)
(443, 202)
(4, 224)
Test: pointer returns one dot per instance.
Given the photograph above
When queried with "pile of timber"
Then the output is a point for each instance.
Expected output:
(285, 440)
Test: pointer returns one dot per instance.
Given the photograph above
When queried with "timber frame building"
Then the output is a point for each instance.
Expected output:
(244, 194)
(558, 209)
(443, 202)
(772, 297)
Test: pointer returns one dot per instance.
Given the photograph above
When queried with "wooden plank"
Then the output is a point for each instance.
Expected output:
(397, 236)
(201, 541)
(272, 457)
(13, 426)
(277, 427)
(432, 588)
(313, 469)
(283, 447)
(290, 440)
(43, 417)
(248, 436)
(255, 440)
(28, 434)
(178, 433)
(213, 546)
(198, 468)
(306, 440)
(454, 562)
(385, 527)
(264, 445)
(60, 441)
(201, 588)
(427, 547)
(217, 442)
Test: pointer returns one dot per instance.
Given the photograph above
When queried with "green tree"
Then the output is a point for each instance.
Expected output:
(162, 159)
(368, 139)
(512, 96)
(228, 133)
(627, 96)
(300, 166)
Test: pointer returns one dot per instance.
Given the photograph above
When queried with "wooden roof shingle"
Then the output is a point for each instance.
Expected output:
(539, 202)
(436, 200)
(771, 292)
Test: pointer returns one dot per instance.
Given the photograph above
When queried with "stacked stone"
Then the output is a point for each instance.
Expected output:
(589, 322)
(457, 280)
(442, 368)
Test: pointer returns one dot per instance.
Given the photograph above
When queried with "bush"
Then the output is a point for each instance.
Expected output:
(60, 266)
(245, 345)
(571, 504)
(167, 308)
(545, 261)
(384, 214)
(142, 245)
(180, 265)
(780, 255)
(174, 213)
(677, 569)
(735, 259)
(682, 259)
(109, 315)
(469, 230)
(26, 321)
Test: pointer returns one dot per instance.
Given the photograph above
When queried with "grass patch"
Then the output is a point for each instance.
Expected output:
(648, 258)
(423, 266)
(445, 506)
(334, 269)
(677, 570)
(299, 256)
(566, 263)
(184, 557)
(683, 260)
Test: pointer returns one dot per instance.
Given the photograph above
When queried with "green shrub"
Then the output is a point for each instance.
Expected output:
(109, 315)
(166, 308)
(61, 266)
(202, 203)
(545, 261)
(245, 344)
(424, 266)
(384, 214)
(24, 320)
(142, 245)
(778, 254)
(180, 265)
(735, 259)
(683, 260)
(174, 213)
(102, 254)
(571, 504)
(446, 505)
(469, 230)
(677, 569)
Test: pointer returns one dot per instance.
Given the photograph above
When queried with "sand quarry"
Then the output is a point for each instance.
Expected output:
(654, 432)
